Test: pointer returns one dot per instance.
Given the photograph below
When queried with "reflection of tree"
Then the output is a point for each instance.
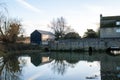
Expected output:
(10, 69)
(63, 61)
(72, 58)
(59, 66)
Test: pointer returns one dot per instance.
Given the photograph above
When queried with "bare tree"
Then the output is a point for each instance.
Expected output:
(9, 29)
(60, 27)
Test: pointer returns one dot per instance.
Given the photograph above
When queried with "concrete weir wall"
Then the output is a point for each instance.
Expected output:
(84, 44)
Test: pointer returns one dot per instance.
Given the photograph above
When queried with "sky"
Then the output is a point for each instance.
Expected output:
(79, 14)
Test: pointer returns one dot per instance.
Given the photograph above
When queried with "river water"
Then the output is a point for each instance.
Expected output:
(60, 66)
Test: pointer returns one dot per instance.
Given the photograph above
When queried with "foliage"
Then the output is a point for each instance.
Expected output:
(60, 27)
(72, 35)
(90, 34)
(9, 28)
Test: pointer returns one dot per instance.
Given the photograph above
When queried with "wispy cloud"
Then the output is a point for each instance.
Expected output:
(29, 6)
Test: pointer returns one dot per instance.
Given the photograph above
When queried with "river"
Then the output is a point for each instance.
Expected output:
(60, 66)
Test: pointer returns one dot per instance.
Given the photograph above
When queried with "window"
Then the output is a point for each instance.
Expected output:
(117, 30)
(118, 23)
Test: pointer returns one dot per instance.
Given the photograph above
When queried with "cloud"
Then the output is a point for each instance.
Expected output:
(29, 6)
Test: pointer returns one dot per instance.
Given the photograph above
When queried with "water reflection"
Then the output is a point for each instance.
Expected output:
(62, 61)
(68, 57)
(109, 65)
(36, 59)
(10, 69)
(39, 59)
(73, 66)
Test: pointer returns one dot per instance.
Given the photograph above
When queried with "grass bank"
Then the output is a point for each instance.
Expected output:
(10, 47)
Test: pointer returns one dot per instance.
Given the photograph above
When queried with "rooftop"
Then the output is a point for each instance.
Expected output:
(109, 21)
(110, 17)
(44, 32)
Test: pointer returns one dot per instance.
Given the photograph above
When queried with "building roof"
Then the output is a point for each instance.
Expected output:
(109, 21)
(111, 18)
(45, 32)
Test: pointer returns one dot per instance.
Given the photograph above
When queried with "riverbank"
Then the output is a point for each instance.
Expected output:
(18, 47)
(78, 50)
(11, 48)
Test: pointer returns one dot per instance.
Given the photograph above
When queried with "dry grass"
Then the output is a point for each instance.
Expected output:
(18, 47)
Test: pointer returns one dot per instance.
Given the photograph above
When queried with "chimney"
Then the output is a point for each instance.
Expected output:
(100, 15)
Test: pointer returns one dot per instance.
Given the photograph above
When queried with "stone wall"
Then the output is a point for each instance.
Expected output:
(84, 44)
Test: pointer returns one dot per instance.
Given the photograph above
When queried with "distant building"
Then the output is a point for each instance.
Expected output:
(109, 26)
(41, 37)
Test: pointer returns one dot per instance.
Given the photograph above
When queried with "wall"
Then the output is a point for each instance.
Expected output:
(84, 44)
(35, 37)
(110, 32)
(46, 38)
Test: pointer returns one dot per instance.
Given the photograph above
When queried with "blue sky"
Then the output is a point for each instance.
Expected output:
(79, 14)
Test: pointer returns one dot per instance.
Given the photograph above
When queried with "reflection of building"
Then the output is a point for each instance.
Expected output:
(38, 59)
(70, 58)
(109, 27)
(110, 67)
(41, 37)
